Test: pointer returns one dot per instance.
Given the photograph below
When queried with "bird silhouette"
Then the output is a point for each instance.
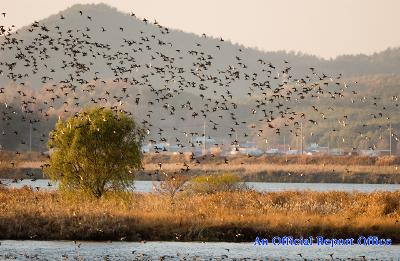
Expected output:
(176, 85)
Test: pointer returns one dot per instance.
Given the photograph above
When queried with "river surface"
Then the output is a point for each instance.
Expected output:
(148, 186)
(68, 250)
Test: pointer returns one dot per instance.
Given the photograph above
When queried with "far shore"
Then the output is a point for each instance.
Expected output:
(291, 169)
(238, 216)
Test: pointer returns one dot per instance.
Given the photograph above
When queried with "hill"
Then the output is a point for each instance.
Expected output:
(177, 82)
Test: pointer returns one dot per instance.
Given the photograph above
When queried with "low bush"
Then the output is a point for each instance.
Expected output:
(216, 183)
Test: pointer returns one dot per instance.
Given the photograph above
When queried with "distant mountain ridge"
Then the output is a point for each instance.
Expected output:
(384, 62)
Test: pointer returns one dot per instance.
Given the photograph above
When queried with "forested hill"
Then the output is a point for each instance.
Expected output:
(94, 54)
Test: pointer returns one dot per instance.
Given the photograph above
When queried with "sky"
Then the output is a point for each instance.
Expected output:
(325, 28)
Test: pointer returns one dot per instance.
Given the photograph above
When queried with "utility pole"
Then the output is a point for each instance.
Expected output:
(30, 137)
(329, 143)
(284, 147)
(301, 137)
(204, 138)
(390, 139)
(192, 148)
(284, 143)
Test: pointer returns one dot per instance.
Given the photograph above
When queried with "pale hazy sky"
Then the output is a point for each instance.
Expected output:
(321, 27)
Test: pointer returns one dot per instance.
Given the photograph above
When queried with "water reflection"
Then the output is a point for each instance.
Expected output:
(148, 186)
(67, 250)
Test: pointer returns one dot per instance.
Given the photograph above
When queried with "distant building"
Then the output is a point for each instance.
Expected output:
(374, 153)
(293, 152)
(200, 140)
(155, 147)
(145, 148)
(273, 152)
(336, 152)
(314, 149)
(203, 145)
(247, 148)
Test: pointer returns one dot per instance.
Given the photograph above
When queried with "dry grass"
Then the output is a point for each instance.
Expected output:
(255, 168)
(20, 165)
(228, 216)
(282, 160)
(296, 169)
(8, 156)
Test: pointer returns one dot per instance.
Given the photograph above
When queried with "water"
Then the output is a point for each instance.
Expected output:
(349, 187)
(148, 186)
(67, 250)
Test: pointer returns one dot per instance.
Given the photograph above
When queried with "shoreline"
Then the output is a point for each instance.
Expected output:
(291, 173)
(280, 169)
(251, 242)
(182, 241)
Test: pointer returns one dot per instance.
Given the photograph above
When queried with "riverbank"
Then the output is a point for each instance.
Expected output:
(294, 173)
(290, 169)
(229, 216)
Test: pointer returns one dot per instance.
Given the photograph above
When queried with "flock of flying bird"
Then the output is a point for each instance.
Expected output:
(173, 88)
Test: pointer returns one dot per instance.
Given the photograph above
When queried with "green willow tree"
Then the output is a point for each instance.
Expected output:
(95, 151)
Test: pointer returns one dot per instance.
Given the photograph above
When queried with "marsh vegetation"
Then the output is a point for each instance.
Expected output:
(226, 215)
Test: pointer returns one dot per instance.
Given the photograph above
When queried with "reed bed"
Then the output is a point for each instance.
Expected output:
(326, 169)
(226, 216)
